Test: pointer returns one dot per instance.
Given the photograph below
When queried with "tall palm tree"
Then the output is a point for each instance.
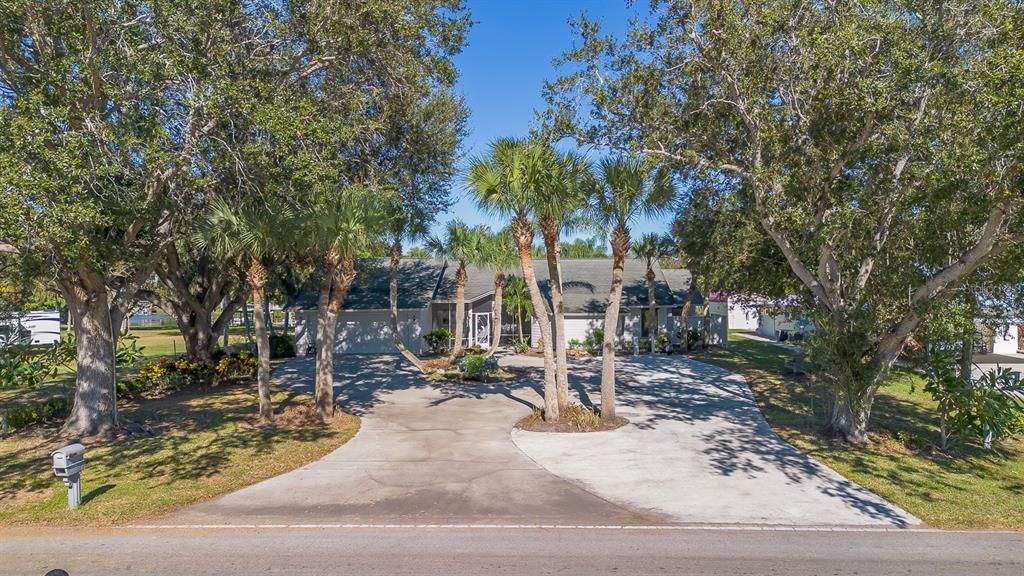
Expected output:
(557, 205)
(649, 248)
(499, 253)
(462, 244)
(402, 226)
(505, 182)
(629, 189)
(517, 301)
(252, 234)
(342, 226)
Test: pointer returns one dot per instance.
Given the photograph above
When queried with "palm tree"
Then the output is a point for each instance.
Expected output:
(252, 234)
(341, 226)
(649, 248)
(505, 182)
(499, 252)
(402, 226)
(462, 244)
(557, 205)
(517, 301)
(629, 189)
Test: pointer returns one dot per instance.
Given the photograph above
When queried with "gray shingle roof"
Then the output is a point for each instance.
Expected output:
(417, 281)
(586, 283)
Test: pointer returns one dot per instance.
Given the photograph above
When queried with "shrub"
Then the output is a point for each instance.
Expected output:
(439, 340)
(22, 367)
(595, 341)
(241, 364)
(694, 336)
(990, 408)
(644, 344)
(575, 344)
(282, 346)
(661, 342)
(581, 417)
(476, 367)
(54, 408)
(520, 345)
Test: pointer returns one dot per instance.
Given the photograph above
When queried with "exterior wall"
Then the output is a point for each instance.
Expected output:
(771, 326)
(364, 331)
(42, 326)
(743, 317)
(1003, 339)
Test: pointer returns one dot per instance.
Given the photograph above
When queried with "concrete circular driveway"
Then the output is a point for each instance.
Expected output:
(427, 453)
(697, 451)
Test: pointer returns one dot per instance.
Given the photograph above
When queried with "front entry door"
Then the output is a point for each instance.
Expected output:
(482, 329)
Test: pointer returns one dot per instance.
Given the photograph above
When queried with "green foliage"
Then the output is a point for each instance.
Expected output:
(282, 346)
(520, 344)
(594, 247)
(166, 375)
(694, 337)
(661, 343)
(594, 341)
(439, 340)
(35, 412)
(990, 408)
(477, 367)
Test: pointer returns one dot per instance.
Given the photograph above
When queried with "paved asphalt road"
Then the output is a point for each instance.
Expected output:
(500, 551)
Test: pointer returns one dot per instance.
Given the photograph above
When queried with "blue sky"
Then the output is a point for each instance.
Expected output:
(509, 56)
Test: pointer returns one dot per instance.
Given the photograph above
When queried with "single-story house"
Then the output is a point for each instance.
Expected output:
(426, 300)
(38, 328)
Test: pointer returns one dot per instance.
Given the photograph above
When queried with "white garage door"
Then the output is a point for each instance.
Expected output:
(369, 332)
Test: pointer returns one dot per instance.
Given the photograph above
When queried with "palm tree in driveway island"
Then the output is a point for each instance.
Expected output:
(462, 244)
(505, 183)
(498, 251)
(340, 227)
(559, 205)
(517, 302)
(650, 248)
(628, 189)
(252, 233)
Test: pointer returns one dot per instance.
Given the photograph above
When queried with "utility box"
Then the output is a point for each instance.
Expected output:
(68, 463)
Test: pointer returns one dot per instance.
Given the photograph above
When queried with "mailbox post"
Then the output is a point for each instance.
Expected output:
(67, 465)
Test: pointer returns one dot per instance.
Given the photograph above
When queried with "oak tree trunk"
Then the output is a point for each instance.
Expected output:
(257, 277)
(850, 418)
(549, 230)
(522, 231)
(496, 312)
(620, 246)
(93, 409)
(685, 318)
(396, 259)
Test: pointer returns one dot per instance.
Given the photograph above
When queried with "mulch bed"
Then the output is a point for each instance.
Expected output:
(534, 423)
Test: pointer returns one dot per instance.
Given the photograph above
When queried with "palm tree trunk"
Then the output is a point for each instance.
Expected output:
(341, 274)
(248, 325)
(519, 320)
(686, 313)
(652, 333)
(257, 277)
(620, 245)
(522, 231)
(460, 311)
(553, 247)
(496, 312)
(396, 260)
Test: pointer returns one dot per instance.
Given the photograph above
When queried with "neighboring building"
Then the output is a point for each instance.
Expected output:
(38, 328)
(1002, 337)
(426, 300)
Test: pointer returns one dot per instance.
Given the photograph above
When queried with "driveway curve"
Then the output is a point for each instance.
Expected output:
(427, 453)
(698, 450)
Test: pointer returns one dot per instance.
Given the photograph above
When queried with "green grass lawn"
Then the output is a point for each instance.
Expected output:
(205, 444)
(964, 488)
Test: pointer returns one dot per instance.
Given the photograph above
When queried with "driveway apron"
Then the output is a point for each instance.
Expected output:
(427, 453)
